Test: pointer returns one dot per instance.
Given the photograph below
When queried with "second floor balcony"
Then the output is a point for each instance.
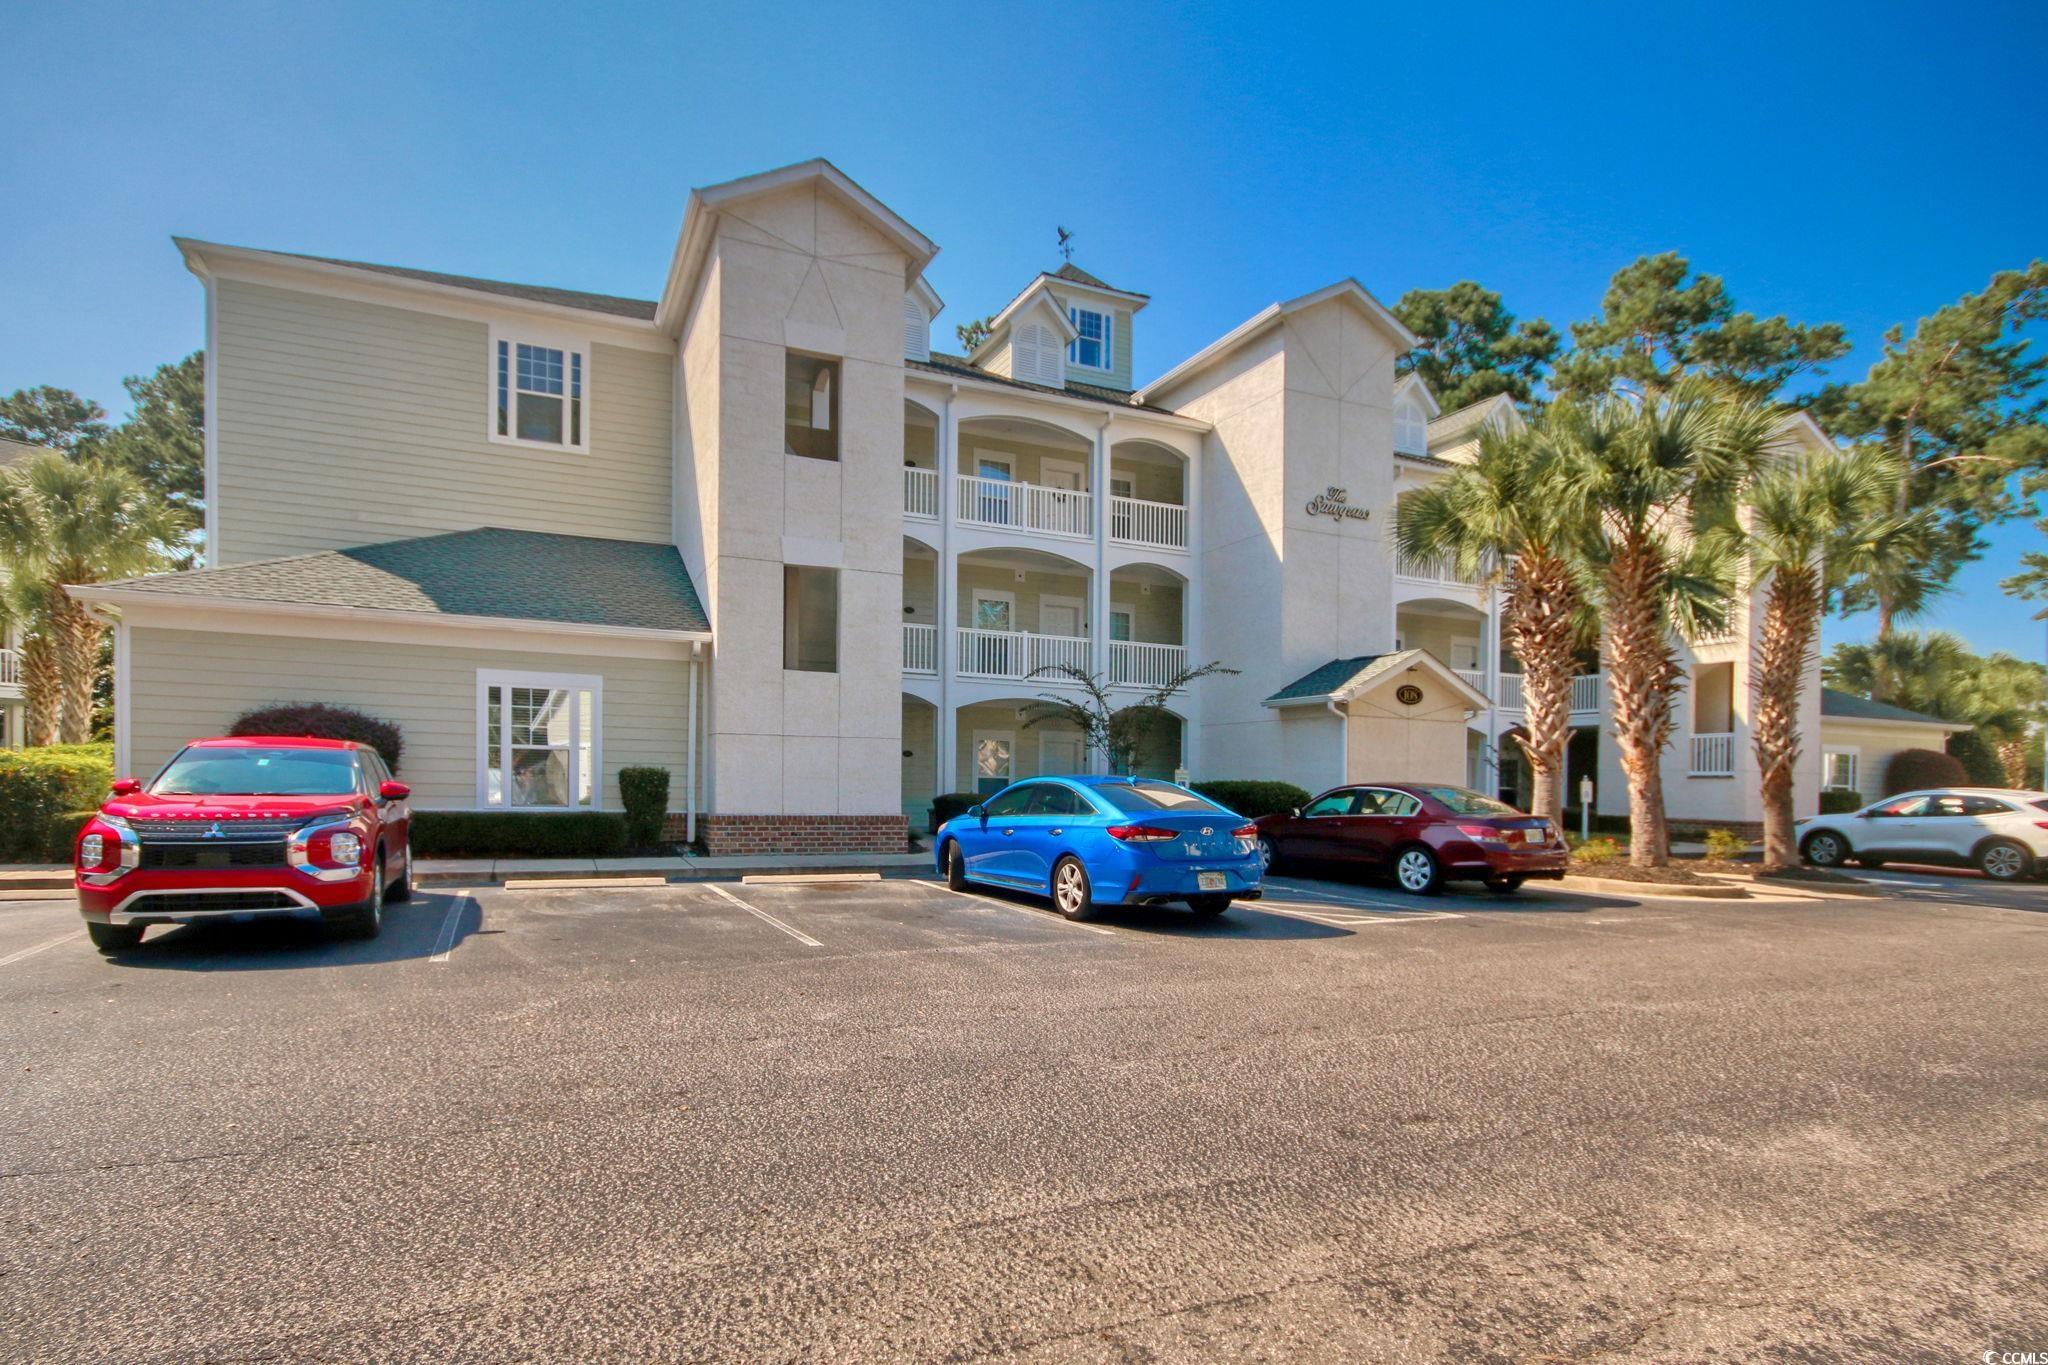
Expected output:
(10, 673)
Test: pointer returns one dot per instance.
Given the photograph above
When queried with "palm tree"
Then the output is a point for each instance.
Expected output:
(27, 603)
(1814, 520)
(1514, 514)
(2000, 696)
(66, 521)
(1660, 478)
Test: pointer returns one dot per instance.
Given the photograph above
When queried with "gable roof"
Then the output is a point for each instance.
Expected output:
(1272, 315)
(1460, 424)
(700, 216)
(1848, 706)
(1412, 384)
(1074, 274)
(611, 305)
(1342, 679)
(959, 367)
(492, 573)
(1038, 291)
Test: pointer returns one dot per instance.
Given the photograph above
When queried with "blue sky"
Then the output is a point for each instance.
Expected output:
(1217, 158)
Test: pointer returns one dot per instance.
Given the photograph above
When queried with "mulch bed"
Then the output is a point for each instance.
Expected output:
(1620, 870)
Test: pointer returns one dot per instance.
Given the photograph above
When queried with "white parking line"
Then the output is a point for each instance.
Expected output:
(1350, 897)
(1041, 915)
(1325, 914)
(445, 944)
(21, 953)
(799, 935)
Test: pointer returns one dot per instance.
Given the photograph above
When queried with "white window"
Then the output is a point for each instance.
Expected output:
(1411, 429)
(540, 388)
(1035, 355)
(917, 331)
(539, 741)
(1838, 770)
(1093, 349)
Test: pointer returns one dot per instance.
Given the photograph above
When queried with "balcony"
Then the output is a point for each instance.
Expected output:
(1153, 525)
(1015, 655)
(1013, 506)
(1433, 571)
(10, 673)
(1713, 755)
(920, 493)
(1133, 663)
(1585, 693)
(920, 649)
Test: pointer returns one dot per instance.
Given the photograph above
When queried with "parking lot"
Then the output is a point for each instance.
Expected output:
(886, 1120)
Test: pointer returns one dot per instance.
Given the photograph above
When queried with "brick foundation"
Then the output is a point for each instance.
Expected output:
(727, 835)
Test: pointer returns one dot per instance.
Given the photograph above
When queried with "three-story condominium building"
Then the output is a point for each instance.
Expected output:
(759, 532)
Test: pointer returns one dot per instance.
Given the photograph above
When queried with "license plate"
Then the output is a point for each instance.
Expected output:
(1210, 881)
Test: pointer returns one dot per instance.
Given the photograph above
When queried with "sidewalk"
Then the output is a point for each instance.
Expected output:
(457, 871)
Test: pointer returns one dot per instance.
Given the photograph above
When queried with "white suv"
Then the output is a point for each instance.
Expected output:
(2005, 833)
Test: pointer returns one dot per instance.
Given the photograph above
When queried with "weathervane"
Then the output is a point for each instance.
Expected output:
(1066, 245)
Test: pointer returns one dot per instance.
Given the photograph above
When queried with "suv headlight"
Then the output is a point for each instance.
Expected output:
(108, 852)
(330, 851)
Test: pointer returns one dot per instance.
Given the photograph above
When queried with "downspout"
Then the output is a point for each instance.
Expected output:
(690, 760)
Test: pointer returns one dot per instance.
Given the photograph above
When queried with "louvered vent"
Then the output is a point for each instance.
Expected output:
(917, 331)
(1036, 356)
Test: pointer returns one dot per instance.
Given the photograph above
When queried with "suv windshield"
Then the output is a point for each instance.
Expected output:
(1139, 796)
(258, 772)
(1459, 801)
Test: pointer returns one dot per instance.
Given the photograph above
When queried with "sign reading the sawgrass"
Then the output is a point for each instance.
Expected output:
(1336, 502)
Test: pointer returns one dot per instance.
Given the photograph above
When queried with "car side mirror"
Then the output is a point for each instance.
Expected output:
(1294, 812)
(978, 812)
(393, 791)
(125, 786)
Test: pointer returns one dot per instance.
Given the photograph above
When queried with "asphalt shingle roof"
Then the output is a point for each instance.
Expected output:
(535, 293)
(518, 575)
(1849, 706)
(1329, 678)
(12, 450)
(1075, 273)
(957, 367)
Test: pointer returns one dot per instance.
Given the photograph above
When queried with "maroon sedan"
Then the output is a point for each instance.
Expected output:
(1424, 835)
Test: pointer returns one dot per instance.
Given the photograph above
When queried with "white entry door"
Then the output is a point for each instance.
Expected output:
(1060, 755)
(1059, 616)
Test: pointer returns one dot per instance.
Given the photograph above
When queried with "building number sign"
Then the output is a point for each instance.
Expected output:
(1336, 502)
(1408, 694)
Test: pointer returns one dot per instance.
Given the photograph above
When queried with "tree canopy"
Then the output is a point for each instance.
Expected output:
(1472, 347)
(52, 417)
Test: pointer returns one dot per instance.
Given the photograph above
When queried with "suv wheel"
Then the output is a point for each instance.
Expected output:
(2004, 861)
(368, 922)
(401, 891)
(112, 938)
(1825, 848)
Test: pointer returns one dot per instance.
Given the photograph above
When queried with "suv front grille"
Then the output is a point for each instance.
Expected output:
(231, 830)
(210, 900)
(213, 853)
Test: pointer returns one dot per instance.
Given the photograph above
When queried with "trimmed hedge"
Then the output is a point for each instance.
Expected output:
(1839, 802)
(1913, 769)
(320, 720)
(517, 834)
(946, 805)
(1251, 797)
(38, 787)
(644, 793)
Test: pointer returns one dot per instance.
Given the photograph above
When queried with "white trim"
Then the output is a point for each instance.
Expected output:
(285, 271)
(1038, 290)
(575, 351)
(1412, 384)
(690, 755)
(996, 387)
(124, 691)
(574, 683)
(1402, 660)
(1271, 315)
(1852, 752)
(1108, 365)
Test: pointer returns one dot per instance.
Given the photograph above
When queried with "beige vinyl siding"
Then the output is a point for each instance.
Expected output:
(344, 423)
(191, 684)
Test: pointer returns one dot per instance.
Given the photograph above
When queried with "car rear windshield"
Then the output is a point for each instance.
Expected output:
(1135, 798)
(258, 772)
(1459, 801)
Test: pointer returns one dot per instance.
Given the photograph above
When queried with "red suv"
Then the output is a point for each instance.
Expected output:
(1424, 835)
(241, 829)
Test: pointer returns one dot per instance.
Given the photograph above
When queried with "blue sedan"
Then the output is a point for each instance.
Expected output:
(1093, 841)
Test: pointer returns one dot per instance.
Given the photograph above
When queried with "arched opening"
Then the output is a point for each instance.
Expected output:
(997, 743)
(1022, 475)
(1147, 625)
(920, 760)
(1453, 632)
(1022, 614)
(1148, 495)
(1160, 748)
(920, 607)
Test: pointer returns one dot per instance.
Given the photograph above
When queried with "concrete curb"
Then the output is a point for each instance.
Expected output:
(493, 871)
(1718, 892)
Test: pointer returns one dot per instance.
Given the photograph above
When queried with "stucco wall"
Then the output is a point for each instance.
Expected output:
(190, 684)
(345, 423)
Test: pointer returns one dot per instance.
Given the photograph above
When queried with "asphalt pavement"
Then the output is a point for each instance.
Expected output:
(887, 1121)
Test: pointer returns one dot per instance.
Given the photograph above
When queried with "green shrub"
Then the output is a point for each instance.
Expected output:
(1726, 844)
(1913, 769)
(39, 786)
(320, 720)
(1596, 850)
(517, 834)
(63, 830)
(946, 805)
(1252, 797)
(644, 793)
(1979, 759)
(1838, 802)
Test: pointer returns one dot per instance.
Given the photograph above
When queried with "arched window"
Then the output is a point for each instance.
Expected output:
(1411, 428)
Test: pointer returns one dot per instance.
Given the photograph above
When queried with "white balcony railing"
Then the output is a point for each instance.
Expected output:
(1016, 654)
(1139, 664)
(1025, 507)
(1136, 521)
(1432, 571)
(920, 492)
(1585, 693)
(920, 648)
(1474, 678)
(10, 670)
(1713, 755)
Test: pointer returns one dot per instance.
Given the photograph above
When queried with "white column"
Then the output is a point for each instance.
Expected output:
(1191, 622)
(946, 594)
(1098, 581)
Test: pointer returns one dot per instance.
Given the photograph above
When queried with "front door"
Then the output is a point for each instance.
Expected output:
(1066, 514)
(1059, 616)
(1060, 755)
